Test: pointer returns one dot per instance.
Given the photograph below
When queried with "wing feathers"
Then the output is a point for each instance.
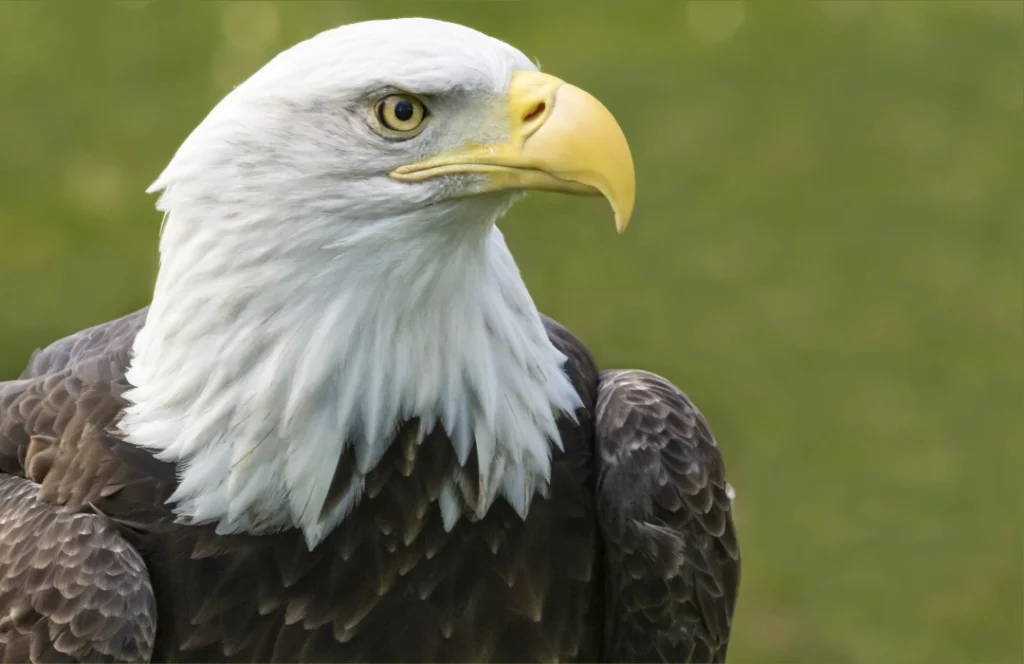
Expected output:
(71, 588)
(665, 513)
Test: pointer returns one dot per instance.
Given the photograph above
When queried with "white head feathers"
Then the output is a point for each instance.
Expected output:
(306, 301)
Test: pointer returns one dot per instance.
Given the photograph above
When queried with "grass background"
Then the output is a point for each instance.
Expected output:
(826, 255)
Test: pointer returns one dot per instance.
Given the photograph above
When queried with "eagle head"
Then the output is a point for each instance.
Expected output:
(330, 268)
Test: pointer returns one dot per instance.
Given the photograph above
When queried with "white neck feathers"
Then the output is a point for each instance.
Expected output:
(260, 362)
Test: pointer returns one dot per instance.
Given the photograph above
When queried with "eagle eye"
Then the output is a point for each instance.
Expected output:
(400, 113)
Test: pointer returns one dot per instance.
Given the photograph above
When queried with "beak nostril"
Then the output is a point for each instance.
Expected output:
(536, 112)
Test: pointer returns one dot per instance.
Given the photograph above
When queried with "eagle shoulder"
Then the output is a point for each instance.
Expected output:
(111, 341)
(665, 512)
(71, 586)
(58, 424)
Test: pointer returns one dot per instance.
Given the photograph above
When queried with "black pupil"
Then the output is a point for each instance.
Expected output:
(404, 110)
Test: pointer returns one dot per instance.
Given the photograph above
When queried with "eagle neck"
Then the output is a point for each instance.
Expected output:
(255, 371)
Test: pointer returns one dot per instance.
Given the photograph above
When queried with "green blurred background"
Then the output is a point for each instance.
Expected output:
(826, 255)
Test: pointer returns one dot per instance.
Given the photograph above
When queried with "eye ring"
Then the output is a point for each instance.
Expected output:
(400, 113)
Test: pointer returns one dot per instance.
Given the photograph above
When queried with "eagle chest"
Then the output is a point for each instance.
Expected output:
(391, 584)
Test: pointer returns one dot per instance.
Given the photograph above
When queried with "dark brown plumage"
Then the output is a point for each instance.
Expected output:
(632, 557)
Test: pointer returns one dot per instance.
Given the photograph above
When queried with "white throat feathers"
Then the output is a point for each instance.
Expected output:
(254, 377)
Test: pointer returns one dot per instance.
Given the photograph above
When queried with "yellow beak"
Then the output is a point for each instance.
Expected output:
(562, 140)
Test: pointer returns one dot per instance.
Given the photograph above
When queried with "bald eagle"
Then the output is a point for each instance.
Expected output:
(342, 431)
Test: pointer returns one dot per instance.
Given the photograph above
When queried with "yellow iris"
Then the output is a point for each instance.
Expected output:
(400, 113)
